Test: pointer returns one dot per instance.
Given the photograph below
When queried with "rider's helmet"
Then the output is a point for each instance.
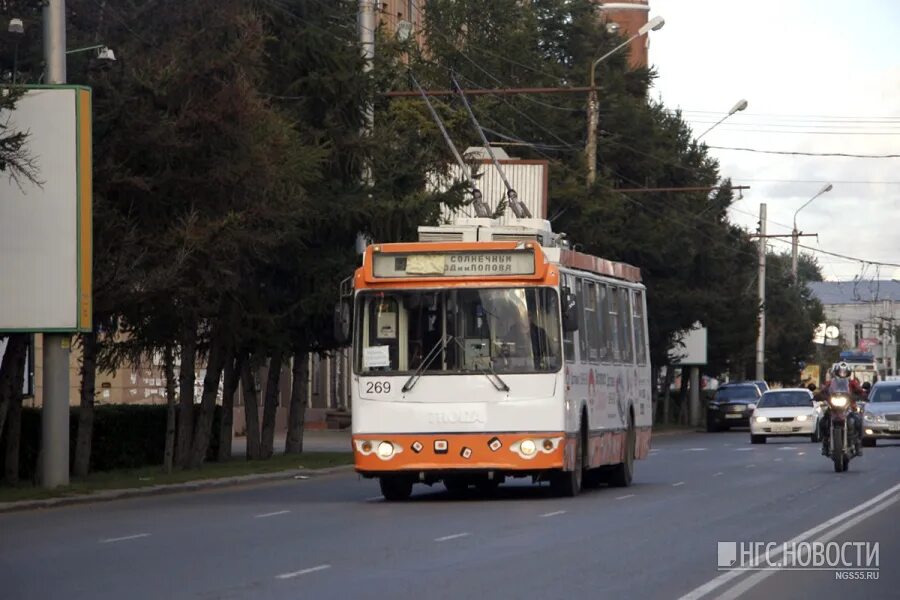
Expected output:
(841, 370)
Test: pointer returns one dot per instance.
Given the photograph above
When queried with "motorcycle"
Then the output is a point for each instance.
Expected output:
(844, 444)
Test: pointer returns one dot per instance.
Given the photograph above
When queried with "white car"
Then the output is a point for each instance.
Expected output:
(785, 412)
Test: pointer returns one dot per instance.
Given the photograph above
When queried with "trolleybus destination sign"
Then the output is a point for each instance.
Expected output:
(454, 264)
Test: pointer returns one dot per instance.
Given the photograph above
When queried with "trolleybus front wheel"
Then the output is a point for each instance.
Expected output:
(395, 488)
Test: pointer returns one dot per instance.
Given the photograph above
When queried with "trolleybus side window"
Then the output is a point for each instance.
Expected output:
(569, 336)
(639, 339)
(582, 330)
(592, 318)
(625, 340)
(615, 355)
(603, 308)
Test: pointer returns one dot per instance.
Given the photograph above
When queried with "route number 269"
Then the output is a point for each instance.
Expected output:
(378, 387)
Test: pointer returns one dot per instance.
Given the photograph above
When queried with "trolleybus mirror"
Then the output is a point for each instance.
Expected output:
(570, 310)
(342, 321)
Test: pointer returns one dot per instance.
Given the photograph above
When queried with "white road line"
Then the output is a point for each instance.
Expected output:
(750, 466)
(374, 498)
(801, 453)
(271, 514)
(779, 459)
(554, 513)
(743, 449)
(840, 520)
(124, 538)
(452, 537)
(717, 474)
(788, 448)
(695, 449)
(302, 572)
(625, 497)
(677, 484)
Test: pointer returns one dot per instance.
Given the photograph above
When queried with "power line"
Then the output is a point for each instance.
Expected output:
(797, 153)
(843, 182)
(844, 256)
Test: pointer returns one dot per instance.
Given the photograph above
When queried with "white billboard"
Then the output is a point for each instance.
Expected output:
(45, 228)
(690, 347)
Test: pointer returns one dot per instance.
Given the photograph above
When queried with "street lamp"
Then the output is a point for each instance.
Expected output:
(795, 235)
(17, 28)
(590, 150)
(103, 52)
(741, 105)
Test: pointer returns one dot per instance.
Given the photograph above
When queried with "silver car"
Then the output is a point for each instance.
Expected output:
(881, 417)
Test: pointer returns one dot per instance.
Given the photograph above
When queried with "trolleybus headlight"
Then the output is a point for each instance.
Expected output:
(528, 447)
(385, 450)
(839, 401)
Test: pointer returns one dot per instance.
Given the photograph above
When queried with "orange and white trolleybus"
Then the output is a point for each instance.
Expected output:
(485, 352)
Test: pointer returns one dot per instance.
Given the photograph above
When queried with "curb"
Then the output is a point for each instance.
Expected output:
(667, 433)
(171, 488)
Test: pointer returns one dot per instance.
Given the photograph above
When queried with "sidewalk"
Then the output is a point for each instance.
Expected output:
(328, 440)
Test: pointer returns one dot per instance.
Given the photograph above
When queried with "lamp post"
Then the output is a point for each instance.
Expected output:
(741, 105)
(103, 51)
(590, 150)
(795, 235)
(17, 28)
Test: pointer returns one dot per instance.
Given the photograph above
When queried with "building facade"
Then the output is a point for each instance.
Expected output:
(867, 316)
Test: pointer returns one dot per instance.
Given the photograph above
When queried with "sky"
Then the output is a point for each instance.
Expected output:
(819, 76)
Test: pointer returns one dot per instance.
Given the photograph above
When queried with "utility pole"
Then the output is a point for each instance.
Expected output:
(54, 465)
(761, 335)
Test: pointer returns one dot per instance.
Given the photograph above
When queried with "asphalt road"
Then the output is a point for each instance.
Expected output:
(335, 537)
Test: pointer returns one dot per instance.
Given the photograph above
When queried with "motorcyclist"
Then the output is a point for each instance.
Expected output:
(841, 384)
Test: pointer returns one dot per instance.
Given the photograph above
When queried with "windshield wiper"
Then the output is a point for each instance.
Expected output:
(496, 381)
(426, 362)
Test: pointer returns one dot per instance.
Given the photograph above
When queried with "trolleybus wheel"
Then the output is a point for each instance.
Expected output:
(623, 472)
(568, 483)
(395, 488)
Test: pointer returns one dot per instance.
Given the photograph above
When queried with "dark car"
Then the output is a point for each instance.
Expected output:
(732, 406)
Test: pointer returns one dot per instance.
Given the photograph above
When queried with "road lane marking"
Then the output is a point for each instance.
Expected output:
(677, 484)
(743, 449)
(374, 498)
(554, 513)
(842, 521)
(625, 497)
(124, 538)
(788, 448)
(750, 466)
(779, 459)
(452, 537)
(801, 453)
(302, 572)
(695, 450)
(717, 474)
(271, 514)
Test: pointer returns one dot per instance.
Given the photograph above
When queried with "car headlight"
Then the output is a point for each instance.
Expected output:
(802, 418)
(528, 447)
(385, 449)
(761, 419)
(874, 418)
(839, 401)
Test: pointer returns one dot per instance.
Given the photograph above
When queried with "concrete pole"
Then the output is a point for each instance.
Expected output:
(795, 240)
(55, 410)
(695, 396)
(590, 154)
(761, 335)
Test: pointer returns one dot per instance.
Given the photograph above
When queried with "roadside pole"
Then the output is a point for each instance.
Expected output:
(54, 467)
(761, 335)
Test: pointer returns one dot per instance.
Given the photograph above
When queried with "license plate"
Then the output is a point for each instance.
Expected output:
(894, 426)
(781, 428)
(741, 416)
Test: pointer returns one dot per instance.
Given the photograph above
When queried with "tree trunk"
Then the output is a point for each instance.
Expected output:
(233, 367)
(169, 368)
(667, 394)
(86, 410)
(13, 438)
(186, 392)
(13, 364)
(297, 413)
(251, 411)
(215, 363)
(270, 407)
(683, 398)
